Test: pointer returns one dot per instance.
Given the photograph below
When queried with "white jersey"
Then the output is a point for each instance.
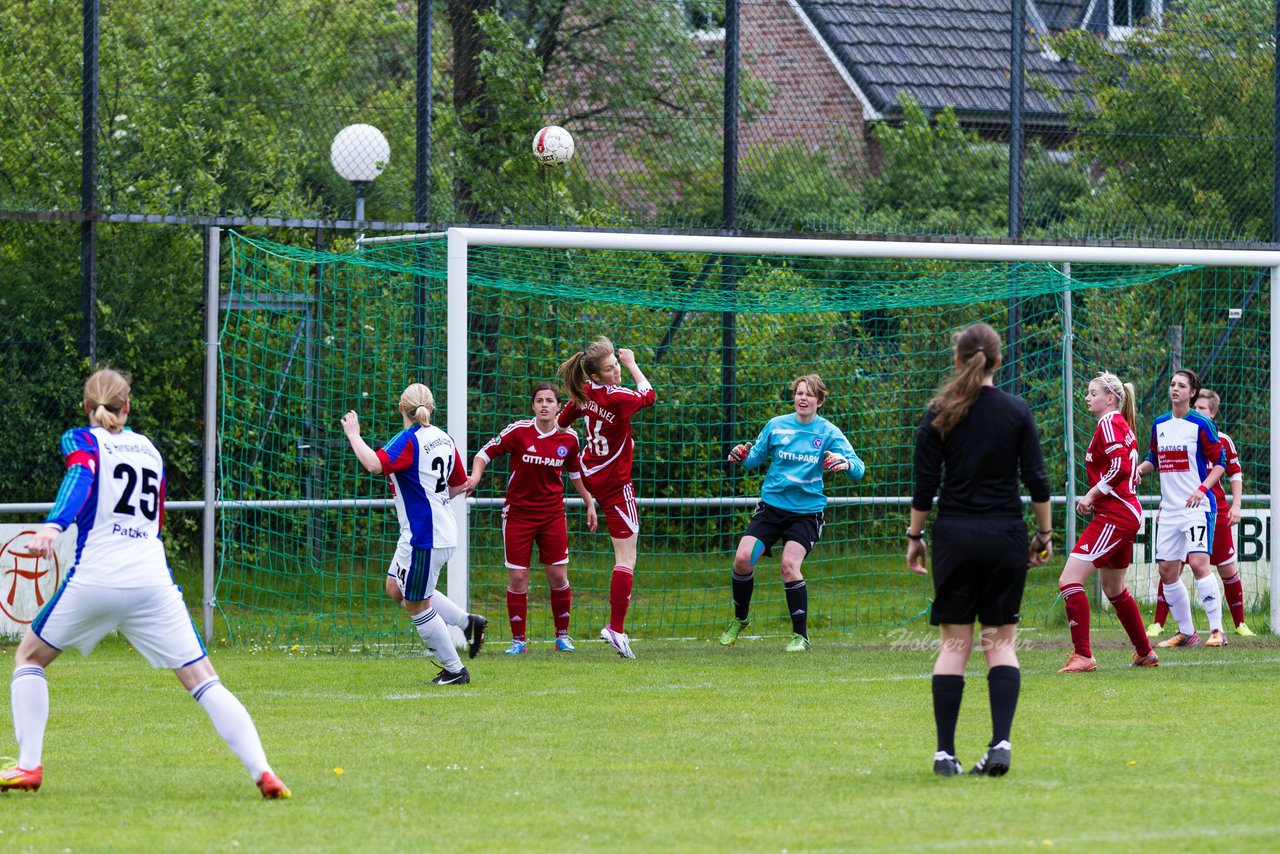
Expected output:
(114, 492)
(1183, 450)
(422, 463)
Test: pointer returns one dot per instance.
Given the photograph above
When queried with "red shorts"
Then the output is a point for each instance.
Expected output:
(1223, 552)
(520, 529)
(618, 506)
(1107, 544)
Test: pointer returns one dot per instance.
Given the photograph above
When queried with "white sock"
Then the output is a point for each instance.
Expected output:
(232, 721)
(448, 610)
(1180, 606)
(29, 693)
(436, 634)
(1210, 600)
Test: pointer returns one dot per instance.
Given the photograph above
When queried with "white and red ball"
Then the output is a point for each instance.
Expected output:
(553, 146)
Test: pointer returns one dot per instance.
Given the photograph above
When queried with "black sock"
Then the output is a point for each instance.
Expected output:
(798, 605)
(1003, 684)
(948, 691)
(743, 585)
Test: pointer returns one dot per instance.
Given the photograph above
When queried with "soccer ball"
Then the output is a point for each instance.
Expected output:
(553, 146)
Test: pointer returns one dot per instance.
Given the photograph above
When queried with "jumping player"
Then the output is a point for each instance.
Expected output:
(113, 491)
(533, 510)
(1107, 543)
(800, 447)
(1185, 446)
(592, 377)
(1223, 553)
(425, 471)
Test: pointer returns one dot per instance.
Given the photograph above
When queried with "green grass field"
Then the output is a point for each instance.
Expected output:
(691, 747)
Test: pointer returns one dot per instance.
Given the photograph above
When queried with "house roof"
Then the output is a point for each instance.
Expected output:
(945, 53)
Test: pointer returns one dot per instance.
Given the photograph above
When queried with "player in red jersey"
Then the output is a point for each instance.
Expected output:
(541, 452)
(1223, 551)
(1107, 543)
(592, 377)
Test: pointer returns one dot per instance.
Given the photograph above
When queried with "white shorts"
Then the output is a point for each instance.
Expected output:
(1183, 535)
(153, 619)
(413, 585)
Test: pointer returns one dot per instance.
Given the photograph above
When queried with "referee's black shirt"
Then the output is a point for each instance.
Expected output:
(982, 460)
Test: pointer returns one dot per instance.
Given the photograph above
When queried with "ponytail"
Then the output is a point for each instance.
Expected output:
(576, 371)
(977, 346)
(417, 403)
(1129, 407)
(106, 394)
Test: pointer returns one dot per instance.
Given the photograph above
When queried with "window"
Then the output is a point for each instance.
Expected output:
(1128, 15)
(704, 18)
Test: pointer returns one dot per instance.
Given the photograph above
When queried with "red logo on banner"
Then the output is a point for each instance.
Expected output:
(1174, 459)
(28, 579)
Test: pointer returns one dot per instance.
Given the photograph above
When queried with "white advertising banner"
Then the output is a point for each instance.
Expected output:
(1253, 557)
(27, 582)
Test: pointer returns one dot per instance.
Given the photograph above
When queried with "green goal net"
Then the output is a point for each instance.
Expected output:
(306, 534)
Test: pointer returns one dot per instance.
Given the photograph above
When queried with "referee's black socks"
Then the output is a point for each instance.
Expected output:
(1003, 684)
(948, 691)
(798, 605)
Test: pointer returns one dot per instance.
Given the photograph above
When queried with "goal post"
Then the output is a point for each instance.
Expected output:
(306, 534)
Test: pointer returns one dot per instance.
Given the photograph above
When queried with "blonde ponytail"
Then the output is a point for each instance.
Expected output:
(417, 404)
(106, 394)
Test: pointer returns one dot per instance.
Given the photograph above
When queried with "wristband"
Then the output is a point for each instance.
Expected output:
(1048, 533)
(919, 536)
(1203, 489)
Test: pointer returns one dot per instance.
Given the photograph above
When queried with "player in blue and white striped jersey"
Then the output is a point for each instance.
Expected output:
(113, 491)
(801, 448)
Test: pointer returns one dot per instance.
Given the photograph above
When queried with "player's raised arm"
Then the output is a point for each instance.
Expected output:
(367, 456)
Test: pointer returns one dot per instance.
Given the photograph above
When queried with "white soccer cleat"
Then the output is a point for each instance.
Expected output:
(618, 640)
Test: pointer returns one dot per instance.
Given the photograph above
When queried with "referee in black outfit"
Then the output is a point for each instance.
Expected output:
(977, 442)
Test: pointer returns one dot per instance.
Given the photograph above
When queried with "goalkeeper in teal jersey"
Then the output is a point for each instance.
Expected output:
(802, 447)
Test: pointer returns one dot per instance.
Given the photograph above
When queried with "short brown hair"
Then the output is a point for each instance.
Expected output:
(816, 386)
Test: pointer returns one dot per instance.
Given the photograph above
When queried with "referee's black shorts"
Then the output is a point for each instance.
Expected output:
(979, 570)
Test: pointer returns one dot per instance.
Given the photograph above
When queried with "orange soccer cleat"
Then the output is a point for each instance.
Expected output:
(1078, 663)
(1148, 660)
(1181, 639)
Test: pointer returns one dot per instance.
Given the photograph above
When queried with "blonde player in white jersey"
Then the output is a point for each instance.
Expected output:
(113, 490)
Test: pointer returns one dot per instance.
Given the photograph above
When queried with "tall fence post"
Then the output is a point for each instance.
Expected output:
(89, 183)
(1274, 543)
(212, 259)
(1068, 411)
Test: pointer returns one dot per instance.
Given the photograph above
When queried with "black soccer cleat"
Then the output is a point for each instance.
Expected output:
(946, 765)
(995, 763)
(445, 677)
(474, 633)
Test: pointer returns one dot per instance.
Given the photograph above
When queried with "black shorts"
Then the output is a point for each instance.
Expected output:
(979, 570)
(769, 524)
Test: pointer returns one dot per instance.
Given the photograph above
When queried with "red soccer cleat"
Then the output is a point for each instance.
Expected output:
(272, 787)
(20, 779)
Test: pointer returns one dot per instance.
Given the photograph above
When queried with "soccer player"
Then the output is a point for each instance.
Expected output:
(977, 442)
(1107, 542)
(425, 470)
(592, 378)
(800, 447)
(533, 510)
(1186, 448)
(114, 490)
(1223, 554)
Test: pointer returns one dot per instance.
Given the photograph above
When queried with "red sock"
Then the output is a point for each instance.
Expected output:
(518, 613)
(1131, 618)
(619, 597)
(1162, 607)
(1077, 617)
(561, 604)
(1233, 592)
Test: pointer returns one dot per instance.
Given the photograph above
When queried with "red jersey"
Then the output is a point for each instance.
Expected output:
(538, 460)
(1110, 461)
(607, 446)
(1231, 459)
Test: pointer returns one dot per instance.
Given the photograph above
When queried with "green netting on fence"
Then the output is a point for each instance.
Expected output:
(309, 335)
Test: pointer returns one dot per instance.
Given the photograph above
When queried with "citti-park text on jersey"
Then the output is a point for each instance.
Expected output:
(799, 458)
(542, 461)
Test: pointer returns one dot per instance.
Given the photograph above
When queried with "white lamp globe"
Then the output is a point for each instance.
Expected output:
(360, 152)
